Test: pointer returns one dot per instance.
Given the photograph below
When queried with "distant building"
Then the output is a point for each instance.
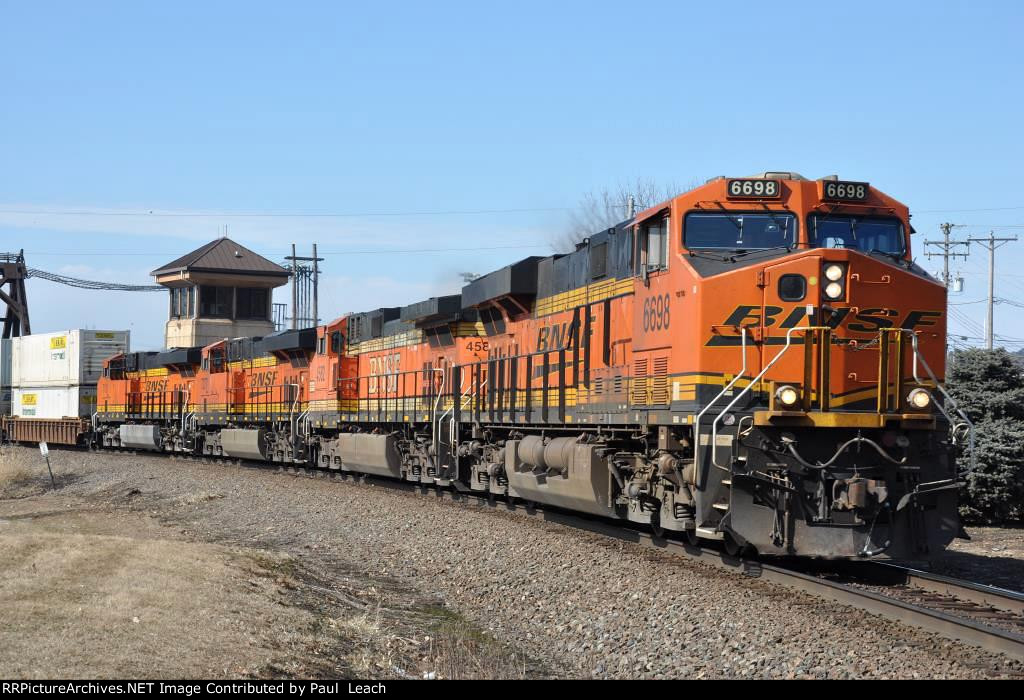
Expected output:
(222, 290)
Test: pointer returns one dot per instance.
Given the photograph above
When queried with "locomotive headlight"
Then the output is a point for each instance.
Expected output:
(833, 290)
(834, 282)
(834, 272)
(919, 399)
(787, 395)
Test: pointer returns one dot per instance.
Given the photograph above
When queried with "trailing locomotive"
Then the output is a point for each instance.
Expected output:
(756, 361)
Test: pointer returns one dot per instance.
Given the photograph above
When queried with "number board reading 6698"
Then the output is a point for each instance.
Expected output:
(754, 189)
(836, 191)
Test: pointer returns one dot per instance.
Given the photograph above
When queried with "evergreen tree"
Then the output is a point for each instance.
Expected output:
(989, 387)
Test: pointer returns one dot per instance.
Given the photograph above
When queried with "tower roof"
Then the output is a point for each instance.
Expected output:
(223, 255)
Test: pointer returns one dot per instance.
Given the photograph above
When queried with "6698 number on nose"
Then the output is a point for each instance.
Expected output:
(754, 189)
(837, 191)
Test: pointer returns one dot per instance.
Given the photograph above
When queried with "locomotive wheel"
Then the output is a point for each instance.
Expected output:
(693, 538)
(734, 548)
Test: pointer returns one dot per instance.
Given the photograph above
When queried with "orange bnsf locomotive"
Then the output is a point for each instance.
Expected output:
(756, 361)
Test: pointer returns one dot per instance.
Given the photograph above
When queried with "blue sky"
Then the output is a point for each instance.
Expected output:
(200, 112)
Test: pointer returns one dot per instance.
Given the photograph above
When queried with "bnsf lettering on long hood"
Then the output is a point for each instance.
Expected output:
(843, 318)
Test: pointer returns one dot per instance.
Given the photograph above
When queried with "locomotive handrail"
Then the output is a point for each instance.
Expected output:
(451, 426)
(440, 418)
(510, 390)
(184, 411)
(160, 403)
(939, 405)
(304, 423)
(696, 428)
(291, 411)
(436, 427)
(462, 396)
(388, 390)
(747, 388)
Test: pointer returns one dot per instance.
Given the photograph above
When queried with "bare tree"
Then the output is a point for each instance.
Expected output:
(603, 209)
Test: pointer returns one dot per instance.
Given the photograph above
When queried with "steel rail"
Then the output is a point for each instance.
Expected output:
(896, 574)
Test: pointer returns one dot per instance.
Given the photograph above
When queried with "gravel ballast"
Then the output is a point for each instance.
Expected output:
(581, 604)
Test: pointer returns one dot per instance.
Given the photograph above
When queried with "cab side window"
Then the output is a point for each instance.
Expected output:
(652, 245)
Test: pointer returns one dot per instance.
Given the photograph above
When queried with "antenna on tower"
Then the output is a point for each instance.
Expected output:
(305, 289)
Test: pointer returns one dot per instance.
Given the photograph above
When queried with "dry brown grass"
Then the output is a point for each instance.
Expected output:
(87, 595)
(385, 644)
(17, 478)
(111, 583)
(459, 650)
(12, 470)
(192, 499)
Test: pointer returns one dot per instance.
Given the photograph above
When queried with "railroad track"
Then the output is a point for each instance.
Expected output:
(948, 607)
(976, 614)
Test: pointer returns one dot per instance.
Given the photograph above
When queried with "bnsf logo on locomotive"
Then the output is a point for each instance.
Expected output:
(384, 373)
(864, 321)
(260, 383)
(262, 380)
(155, 385)
(555, 337)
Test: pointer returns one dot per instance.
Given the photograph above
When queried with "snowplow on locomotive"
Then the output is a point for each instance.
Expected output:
(757, 361)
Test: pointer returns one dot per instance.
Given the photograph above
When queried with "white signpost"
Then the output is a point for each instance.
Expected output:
(44, 450)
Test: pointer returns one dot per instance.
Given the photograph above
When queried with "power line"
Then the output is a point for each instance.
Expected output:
(968, 323)
(425, 212)
(92, 284)
(379, 251)
(991, 244)
(153, 213)
(958, 211)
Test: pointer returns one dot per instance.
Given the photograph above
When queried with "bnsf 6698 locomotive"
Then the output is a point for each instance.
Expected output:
(755, 361)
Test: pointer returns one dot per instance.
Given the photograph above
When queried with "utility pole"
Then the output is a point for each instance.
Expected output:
(305, 287)
(947, 250)
(295, 288)
(316, 284)
(991, 243)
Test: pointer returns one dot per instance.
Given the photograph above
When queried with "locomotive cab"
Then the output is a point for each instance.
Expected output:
(820, 426)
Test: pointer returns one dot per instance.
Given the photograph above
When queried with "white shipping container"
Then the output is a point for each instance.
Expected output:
(55, 401)
(65, 359)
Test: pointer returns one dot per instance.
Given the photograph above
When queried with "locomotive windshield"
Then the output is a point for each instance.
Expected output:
(739, 231)
(883, 235)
